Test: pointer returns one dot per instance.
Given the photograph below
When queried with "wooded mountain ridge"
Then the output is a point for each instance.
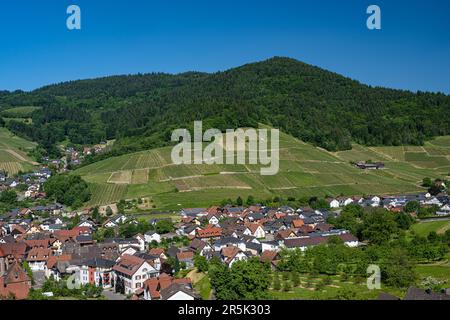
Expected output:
(317, 106)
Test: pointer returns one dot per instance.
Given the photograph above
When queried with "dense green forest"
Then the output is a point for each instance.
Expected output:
(310, 103)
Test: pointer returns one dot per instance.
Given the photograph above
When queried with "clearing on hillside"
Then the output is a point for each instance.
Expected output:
(13, 153)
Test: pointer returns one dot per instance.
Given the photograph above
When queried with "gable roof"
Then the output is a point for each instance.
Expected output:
(15, 282)
(156, 251)
(185, 256)
(53, 260)
(128, 264)
(197, 244)
(39, 254)
(171, 290)
(297, 223)
(253, 227)
(16, 249)
(209, 232)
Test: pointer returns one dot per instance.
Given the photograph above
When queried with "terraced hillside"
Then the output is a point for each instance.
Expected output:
(13, 153)
(304, 171)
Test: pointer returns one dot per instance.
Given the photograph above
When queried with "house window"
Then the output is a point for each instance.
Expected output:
(138, 285)
(138, 277)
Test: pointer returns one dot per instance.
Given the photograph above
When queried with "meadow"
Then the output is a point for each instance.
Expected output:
(13, 153)
(19, 112)
(423, 228)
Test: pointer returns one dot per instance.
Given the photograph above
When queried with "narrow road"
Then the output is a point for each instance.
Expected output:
(111, 295)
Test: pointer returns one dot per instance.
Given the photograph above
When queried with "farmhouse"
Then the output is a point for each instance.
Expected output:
(166, 287)
(370, 166)
(133, 272)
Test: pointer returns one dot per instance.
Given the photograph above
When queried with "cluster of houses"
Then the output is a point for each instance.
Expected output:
(138, 266)
(76, 156)
(237, 233)
(142, 267)
(396, 203)
(33, 182)
(74, 253)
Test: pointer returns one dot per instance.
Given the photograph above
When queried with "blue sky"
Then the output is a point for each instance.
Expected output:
(412, 51)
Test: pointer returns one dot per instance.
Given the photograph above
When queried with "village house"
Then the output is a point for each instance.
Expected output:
(14, 283)
(305, 242)
(229, 242)
(230, 255)
(200, 247)
(152, 236)
(38, 257)
(255, 230)
(212, 233)
(96, 271)
(133, 272)
(271, 257)
(57, 266)
(186, 257)
(166, 287)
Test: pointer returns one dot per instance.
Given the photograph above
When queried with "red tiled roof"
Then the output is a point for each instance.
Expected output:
(253, 227)
(128, 264)
(64, 234)
(156, 251)
(15, 282)
(44, 243)
(16, 249)
(298, 223)
(285, 233)
(230, 252)
(324, 227)
(155, 285)
(186, 255)
(51, 262)
(210, 232)
(18, 228)
(39, 254)
(82, 230)
(305, 229)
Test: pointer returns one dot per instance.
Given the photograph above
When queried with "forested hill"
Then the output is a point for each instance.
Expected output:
(310, 103)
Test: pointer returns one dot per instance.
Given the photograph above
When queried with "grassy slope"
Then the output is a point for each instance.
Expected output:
(13, 152)
(304, 171)
(19, 112)
(423, 228)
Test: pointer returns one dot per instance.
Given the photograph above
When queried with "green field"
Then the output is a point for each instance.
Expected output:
(304, 171)
(423, 228)
(13, 153)
(307, 290)
(19, 112)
